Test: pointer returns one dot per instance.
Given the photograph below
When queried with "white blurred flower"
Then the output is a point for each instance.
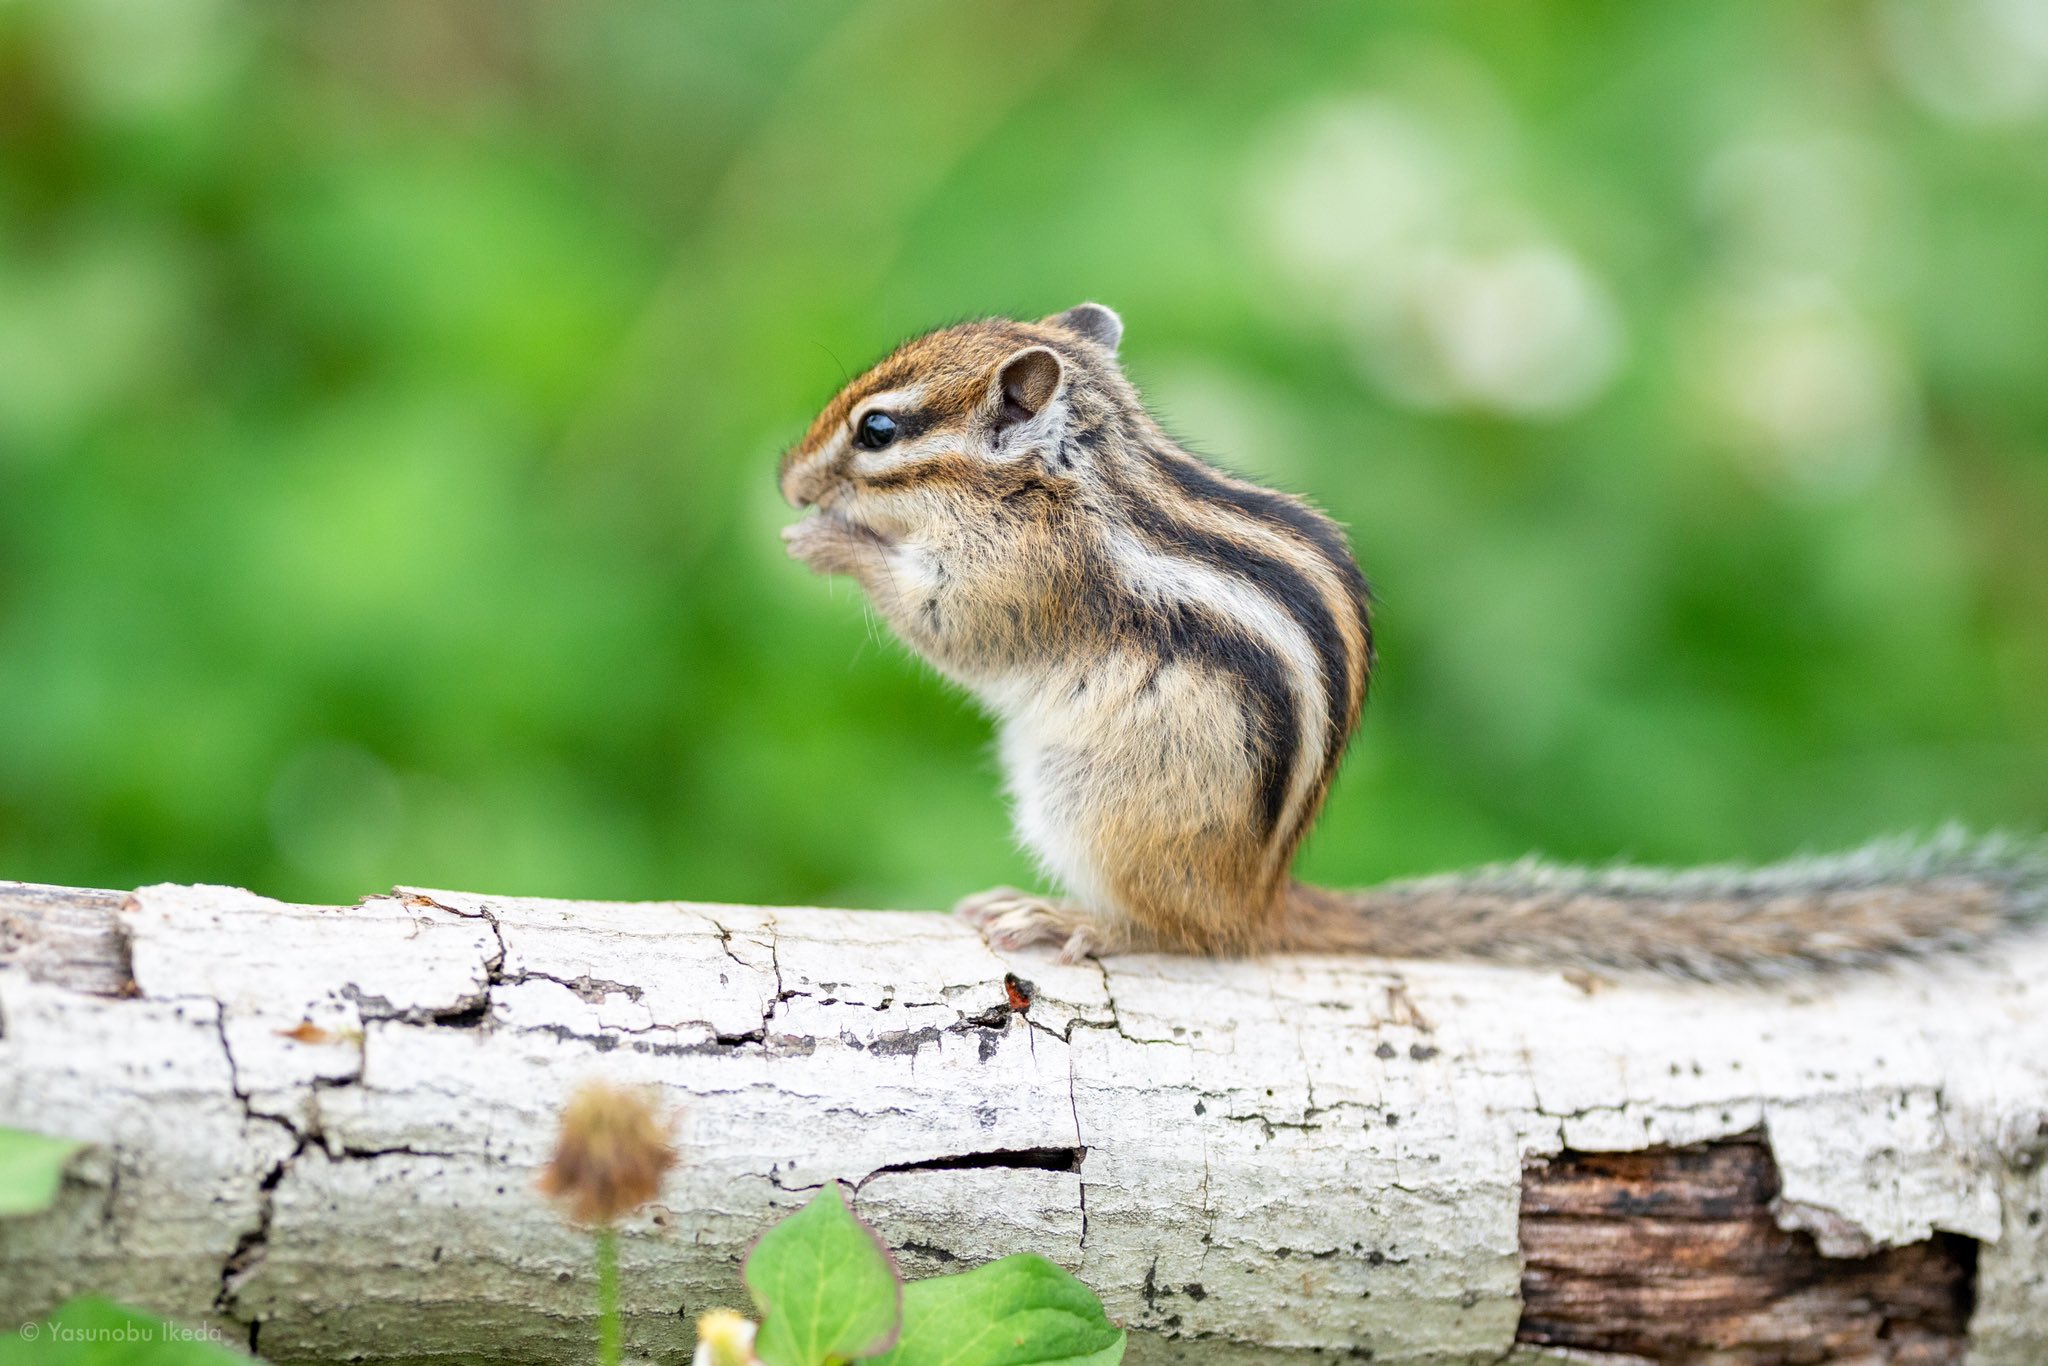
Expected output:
(1525, 330)
(138, 58)
(724, 1339)
(1979, 62)
(1451, 298)
(1361, 187)
(1802, 201)
(1805, 385)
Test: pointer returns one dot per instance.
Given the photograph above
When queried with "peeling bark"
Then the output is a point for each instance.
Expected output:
(1674, 1254)
(65, 935)
(317, 1128)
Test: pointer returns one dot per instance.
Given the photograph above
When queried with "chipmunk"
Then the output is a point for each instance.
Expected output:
(1177, 657)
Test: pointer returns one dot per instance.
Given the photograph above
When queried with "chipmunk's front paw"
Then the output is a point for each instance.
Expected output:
(1010, 919)
(832, 545)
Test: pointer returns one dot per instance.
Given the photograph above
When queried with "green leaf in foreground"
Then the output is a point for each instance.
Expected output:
(825, 1287)
(1020, 1311)
(31, 1169)
(96, 1332)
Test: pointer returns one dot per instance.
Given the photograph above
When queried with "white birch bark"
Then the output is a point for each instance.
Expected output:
(1280, 1160)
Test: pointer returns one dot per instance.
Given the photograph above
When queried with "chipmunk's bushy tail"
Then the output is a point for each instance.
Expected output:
(1887, 901)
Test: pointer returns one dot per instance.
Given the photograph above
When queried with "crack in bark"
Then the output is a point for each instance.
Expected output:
(469, 1008)
(1080, 1143)
(351, 1154)
(1005, 1159)
(252, 1244)
(590, 990)
(1290, 1017)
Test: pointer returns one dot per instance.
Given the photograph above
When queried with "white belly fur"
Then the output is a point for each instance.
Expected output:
(1138, 748)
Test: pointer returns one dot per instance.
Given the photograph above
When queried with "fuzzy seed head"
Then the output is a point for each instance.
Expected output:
(611, 1156)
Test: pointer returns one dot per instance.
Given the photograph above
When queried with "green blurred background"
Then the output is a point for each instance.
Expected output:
(390, 393)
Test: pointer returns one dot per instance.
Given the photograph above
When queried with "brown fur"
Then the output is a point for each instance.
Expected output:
(1890, 900)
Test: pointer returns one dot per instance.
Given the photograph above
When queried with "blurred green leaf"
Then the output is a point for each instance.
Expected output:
(91, 1331)
(825, 1286)
(1020, 1311)
(32, 1169)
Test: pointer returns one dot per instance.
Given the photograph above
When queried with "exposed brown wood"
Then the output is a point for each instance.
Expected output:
(1672, 1255)
(68, 936)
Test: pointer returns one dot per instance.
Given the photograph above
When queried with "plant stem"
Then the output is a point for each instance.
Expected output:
(607, 1296)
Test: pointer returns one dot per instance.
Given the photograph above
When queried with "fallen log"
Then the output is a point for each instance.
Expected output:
(317, 1128)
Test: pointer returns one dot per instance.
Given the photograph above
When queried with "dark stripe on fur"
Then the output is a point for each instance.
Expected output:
(946, 467)
(1273, 729)
(1190, 633)
(1198, 480)
(1282, 582)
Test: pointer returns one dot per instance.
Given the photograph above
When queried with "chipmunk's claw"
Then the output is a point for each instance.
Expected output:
(1082, 944)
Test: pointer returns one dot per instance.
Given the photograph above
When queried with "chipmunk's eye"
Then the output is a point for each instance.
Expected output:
(876, 430)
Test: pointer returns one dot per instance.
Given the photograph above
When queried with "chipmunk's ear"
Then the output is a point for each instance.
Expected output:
(1098, 324)
(1025, 383)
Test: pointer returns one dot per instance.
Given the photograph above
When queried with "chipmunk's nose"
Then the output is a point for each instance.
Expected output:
(805, 476)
